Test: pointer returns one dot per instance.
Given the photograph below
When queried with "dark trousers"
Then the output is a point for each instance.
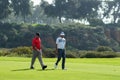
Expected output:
(61, 54)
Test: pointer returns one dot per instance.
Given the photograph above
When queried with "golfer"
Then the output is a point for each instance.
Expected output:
(37, 51)
(60, 50)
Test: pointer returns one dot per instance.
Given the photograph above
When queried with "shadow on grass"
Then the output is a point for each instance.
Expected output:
(22, 69)
(32, 69)
(45, 70)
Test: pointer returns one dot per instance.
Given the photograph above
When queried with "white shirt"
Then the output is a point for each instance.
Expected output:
(61, 42)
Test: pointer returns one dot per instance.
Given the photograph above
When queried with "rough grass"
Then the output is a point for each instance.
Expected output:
(15, 68)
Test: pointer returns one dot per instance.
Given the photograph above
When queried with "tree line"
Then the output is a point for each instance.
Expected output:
(69, 10)
(78, 36)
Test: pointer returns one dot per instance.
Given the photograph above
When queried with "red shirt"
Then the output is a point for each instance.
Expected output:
(36, 42)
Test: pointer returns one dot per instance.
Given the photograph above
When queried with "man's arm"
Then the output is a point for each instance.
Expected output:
(34, 46)
(56, 46)
(56, 49)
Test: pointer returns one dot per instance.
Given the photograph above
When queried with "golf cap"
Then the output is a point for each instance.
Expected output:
(62, 34)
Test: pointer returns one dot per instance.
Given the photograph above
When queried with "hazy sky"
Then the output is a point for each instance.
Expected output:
(36, 2)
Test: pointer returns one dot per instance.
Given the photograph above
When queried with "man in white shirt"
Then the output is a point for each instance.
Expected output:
(60, 50)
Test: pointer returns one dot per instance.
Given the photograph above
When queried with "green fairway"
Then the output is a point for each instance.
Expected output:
(15, 68)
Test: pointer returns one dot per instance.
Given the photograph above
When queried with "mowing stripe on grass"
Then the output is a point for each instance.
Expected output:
(15, 68)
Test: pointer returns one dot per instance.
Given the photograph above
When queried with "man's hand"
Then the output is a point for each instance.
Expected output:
(38, 50)
(56, 51)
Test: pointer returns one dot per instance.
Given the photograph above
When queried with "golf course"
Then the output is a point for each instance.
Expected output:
(16, 68)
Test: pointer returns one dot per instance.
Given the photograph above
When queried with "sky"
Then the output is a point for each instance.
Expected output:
(36, 2)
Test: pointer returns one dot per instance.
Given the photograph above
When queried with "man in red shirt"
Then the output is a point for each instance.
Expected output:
(37, 51)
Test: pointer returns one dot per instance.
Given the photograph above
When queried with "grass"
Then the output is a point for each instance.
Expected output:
(16, 68)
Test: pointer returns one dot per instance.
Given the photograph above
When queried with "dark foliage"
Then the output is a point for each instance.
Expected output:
(78, 36)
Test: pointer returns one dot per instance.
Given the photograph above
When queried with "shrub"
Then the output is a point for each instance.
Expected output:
(94, 54)
(4, 52)
(103, 48)
(49, 53)
(87, 54)
(71, 54)
(22, 51)
(108, 54)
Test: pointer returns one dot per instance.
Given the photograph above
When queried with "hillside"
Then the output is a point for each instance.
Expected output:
(78, 36)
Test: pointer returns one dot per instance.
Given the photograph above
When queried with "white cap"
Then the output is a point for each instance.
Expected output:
(62, 33)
